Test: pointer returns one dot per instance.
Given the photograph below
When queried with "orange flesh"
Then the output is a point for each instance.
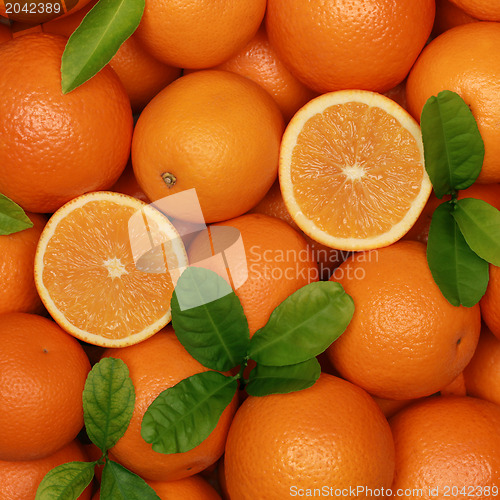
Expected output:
(90, 274)
(383, 176)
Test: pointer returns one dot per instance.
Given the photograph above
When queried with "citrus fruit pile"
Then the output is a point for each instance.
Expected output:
(279, 145)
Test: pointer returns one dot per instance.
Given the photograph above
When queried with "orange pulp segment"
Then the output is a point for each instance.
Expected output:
(87, 276)
(352, 170)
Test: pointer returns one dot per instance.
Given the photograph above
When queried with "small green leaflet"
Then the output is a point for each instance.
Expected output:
(108, 402)
(453, 147)
(12, 217)
(480, 225)
(118, 483)
(264, 380)
(66, 481)
(183, 416)
(303, 325)
(461, 275)
(97, 39)
(215, 332)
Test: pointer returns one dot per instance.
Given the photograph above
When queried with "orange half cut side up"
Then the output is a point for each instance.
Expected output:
(352, 170)
(87, 276)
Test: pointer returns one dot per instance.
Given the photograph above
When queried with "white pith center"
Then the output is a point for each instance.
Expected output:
(115, 267)
(354, 172)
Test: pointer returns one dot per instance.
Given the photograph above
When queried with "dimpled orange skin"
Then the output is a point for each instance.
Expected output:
(19, 480)
(259, 61)
(485, 10)
(142, 75)
(490, 303)
(482, 374)
(214, 131)
(448, 15)
(449, 441)
(200, 33)
(464, 60)
(17, 255)
(56, 146)
(156, 364)
(277, 258)
(349, 44)
(272, 204)
(405, 340)
(331, 434)
(42, 375)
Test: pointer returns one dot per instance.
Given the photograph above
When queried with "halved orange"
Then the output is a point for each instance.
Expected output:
(106, 266)
(352, 170)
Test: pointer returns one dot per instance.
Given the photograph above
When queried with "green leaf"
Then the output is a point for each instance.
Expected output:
(66, 481)
(118, 483)
(215, 332)
(12, 217)
(184, 415)
(303, 325)
(108, 402)
(453, 147)
(97, 39)
(264, 380)
(480, 225)
(460, 274)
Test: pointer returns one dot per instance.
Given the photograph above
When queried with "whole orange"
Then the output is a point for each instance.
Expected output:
(448, 15)
(17, 255)
(200, 33)
(259, 61)
(276, 261)
(19, 480)
(405, 340)
(213, 131)
(490, 303)
(447, 444)
(482, 374)
(349, 44)
(490, 193)
(142, 75)
(485, 10)
(40, 13)
(57, 146)
(42, 375)
(332, 435)
(273, 205)
(156, 364)
(464, 60)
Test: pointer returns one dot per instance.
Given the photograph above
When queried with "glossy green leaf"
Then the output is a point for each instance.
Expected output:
(97, 39)
(453, 147)
(118, 483)
(66, 481)
(214, 332)
(12, 217)
(183, 416)
(461, 275)
(303, 325)
(108, 402)
(480, 225)
(264, 380)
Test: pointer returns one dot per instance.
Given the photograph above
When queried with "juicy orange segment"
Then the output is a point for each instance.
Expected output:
(87, 276)
(352, 170)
